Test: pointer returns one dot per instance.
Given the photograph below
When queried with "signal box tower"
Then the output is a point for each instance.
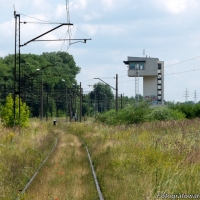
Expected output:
(152, 71)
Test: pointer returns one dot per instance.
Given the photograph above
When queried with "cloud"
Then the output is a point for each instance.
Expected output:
(107, 4)
(60, 11)
(90, 29)
(41, 5)
(103, 29)
(168, 63)
(173, 6)
(6, 29)
(11, 4)
(92, 16)
(177, 6)
(78, 4)
(114, 4)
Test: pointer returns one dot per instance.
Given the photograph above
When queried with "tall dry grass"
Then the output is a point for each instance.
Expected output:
(131, 162)
(21, 154)
(143, 161)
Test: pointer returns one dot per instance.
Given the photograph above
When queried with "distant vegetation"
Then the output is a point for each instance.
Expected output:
(190, 110)
(55, 70)
(138, 153)
(7, 113)
(141, 113)
(142, 161)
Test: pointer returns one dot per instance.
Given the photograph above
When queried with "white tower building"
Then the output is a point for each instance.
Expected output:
(152, 71)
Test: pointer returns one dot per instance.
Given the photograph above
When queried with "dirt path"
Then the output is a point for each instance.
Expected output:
(66, 175)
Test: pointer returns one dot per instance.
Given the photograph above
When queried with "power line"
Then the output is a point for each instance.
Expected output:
(107, 77)
(174, 65)
(40, 22)
(140, 80)
(99, 77)
(183, 61)
(81, 31)
(68, 32)
(174, 72)
(165, 67)
(151, 70)
(37, 18)
(182, 72)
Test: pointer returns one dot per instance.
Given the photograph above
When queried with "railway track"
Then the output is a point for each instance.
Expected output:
(35, 174)
(94, 175)
(65, 173)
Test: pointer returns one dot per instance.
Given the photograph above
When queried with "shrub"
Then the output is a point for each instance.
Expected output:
(7, 112)
(107, 117)
(133, 115)
(129, 115)
(163, 113)
(139, 114)
(190, 110)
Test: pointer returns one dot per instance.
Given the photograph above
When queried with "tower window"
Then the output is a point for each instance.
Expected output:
(136, 65)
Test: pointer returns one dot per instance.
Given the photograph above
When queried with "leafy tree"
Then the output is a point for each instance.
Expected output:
(62, 66)
(87, 108)
(7, 112)
(102, 98)
(130, 101)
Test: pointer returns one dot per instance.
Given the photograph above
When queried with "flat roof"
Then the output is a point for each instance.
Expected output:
(138, 59)
(127, 62)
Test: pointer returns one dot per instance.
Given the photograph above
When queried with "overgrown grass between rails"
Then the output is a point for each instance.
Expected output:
(66, 174)
(141, 161)
(21, 154)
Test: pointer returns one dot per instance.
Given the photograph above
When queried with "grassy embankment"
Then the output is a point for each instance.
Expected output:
(20, 156)
(142, 161)
(131, 161)
(65, 175)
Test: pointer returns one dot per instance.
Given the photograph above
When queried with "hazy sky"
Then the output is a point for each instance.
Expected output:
(167, 29)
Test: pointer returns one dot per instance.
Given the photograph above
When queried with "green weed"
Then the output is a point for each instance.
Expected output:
(143, 160)
(20, 156)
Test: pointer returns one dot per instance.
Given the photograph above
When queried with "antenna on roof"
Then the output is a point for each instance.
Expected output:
(143, 52)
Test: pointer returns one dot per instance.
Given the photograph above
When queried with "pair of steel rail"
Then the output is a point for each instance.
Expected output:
(91, 165)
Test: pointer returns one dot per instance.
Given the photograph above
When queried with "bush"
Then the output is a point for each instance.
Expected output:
(190, 110)
(107, 117)
(163, 113)
(139, 114)
(129, 115)
(7, 112)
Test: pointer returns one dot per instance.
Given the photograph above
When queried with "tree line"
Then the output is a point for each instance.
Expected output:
(43, 78)
(50, 89)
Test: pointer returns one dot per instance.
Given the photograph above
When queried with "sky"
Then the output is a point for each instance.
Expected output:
(165, 29)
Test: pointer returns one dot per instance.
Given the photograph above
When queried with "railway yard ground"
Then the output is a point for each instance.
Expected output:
(142, 161)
